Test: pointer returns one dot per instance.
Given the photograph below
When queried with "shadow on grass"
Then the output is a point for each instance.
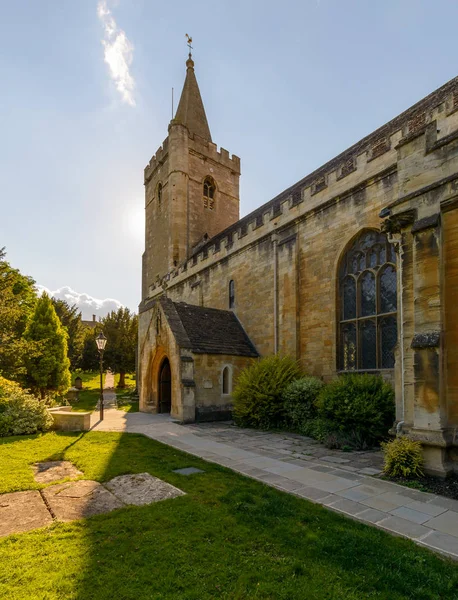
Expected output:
(228, 537)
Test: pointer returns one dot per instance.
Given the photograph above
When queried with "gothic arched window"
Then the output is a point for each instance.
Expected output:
(209, 193)
(159, 192)
(231, 293)
(368, 304)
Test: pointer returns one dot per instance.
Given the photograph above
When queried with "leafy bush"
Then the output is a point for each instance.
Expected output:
(258, 394)
(299, 400)
(20, 412)
(403, 458)
(359, 406)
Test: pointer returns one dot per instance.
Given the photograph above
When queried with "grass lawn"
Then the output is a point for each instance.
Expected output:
(125, 397)
(230, 537)
(89, 395)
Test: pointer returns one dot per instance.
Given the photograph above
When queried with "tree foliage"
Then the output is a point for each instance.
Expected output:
(121, 330)
(48, 372)
(70, 317)
(17, 302)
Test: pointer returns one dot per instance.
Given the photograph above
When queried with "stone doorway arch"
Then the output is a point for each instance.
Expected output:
(164, 387)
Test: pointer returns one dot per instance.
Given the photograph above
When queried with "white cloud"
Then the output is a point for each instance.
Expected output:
(118, 53)
(88, 305)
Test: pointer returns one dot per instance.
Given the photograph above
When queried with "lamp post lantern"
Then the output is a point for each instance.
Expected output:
(101, 342)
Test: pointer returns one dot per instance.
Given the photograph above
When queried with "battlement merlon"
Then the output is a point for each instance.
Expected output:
(156, 160)
(209, 150)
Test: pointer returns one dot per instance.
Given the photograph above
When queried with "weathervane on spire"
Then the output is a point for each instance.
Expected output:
(189, 44)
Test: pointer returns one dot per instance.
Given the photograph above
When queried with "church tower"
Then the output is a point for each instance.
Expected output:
(191, 188)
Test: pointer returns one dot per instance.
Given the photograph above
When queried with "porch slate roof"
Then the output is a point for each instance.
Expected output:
(207, 330)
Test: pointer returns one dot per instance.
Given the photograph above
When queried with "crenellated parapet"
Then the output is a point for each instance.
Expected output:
(434, 119)
(157, 160)
(210, 151)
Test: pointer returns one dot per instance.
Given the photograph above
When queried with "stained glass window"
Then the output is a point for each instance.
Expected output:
(388, 338)
(368, 304)
(349, 298)
(367, 294)
(388, 290)
(348, 348)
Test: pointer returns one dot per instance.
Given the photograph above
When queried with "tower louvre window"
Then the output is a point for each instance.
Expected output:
(368, 304)
(209, 190)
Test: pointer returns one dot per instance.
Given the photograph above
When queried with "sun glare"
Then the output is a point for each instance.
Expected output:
(135, 222)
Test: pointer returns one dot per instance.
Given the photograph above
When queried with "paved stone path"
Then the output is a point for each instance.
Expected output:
(109, 394)
(302, 467)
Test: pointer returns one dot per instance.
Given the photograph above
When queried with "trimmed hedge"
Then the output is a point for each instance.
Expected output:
(258, 393)
(20, 412)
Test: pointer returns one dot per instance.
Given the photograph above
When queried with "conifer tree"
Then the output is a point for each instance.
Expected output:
(121, 330)
(49, 371)
(70, 317)
(17, 302)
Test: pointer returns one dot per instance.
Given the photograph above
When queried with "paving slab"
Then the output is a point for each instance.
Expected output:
(188, 471)
(447, 522)
(79, 499)
(371, 515)
(411, 515)
(23, 511)
(347, 506)
(444, 543)
(55, 470)
(142, 488)
(360, 493)
(403, 527)
(427, 507)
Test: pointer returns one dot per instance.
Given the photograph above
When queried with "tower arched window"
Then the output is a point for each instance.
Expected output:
(226, 383)
(368, 304)
(231, 293)
(159, 192)
(209, 190)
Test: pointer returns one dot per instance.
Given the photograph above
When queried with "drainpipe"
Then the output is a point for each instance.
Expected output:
(275, 243)
(397, 240)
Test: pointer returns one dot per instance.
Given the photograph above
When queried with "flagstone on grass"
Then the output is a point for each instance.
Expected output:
(80, 499)
(22, 511)
(55, 470)
(142, 488)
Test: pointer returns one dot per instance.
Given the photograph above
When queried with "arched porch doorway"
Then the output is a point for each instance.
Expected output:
(165, 387)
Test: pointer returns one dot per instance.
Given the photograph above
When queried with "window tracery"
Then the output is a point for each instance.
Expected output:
(209, 190)
(368, 304)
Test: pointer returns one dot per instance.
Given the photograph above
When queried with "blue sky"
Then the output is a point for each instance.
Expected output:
(286, 86)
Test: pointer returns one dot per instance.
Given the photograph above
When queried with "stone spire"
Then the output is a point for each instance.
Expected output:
(191, 110)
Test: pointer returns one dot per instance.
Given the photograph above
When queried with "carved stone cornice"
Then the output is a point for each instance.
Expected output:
(396, 223)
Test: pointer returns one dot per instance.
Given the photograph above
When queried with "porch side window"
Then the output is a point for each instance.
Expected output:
(368, 304)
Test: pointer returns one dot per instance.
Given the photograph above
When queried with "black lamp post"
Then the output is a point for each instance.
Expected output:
(101, 342)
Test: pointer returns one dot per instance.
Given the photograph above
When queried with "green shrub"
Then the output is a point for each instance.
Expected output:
(299, 399)
(258, 392)
(403, 458)
(317, 428)
(20, 412)
(359, 406)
